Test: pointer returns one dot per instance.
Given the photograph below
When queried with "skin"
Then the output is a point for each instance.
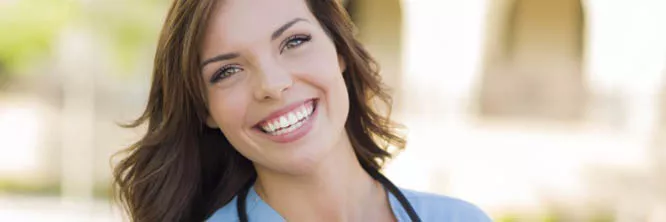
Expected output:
(255, 65)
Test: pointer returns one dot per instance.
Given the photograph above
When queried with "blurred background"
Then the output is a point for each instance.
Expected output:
(535, 110)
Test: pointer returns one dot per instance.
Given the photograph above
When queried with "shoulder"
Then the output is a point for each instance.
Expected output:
(227, 213)
(435, 207)
(429, 206)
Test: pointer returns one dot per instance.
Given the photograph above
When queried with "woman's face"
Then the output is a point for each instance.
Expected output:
(274, 83)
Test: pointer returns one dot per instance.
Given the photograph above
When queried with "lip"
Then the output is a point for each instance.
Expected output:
(296, 134)
(284, 110)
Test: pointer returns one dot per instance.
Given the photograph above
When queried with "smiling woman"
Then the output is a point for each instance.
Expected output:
(261, 110)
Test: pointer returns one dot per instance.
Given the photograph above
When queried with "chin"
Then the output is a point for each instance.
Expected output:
(299, 162)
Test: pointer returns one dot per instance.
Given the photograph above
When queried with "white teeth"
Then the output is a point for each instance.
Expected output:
(305, 111)
(299, 114)
(289, 122)
(283, 122)
(292, 118)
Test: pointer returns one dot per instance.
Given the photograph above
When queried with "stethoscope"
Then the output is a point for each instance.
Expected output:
(242, 196)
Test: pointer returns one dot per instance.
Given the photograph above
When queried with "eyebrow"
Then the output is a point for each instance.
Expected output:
(220, 58)
(277, 33)
(286, 26)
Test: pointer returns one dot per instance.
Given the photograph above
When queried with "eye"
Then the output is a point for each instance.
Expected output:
(294, 41)
(225, 72)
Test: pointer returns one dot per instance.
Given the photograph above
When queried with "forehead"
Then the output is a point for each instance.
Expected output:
(236, 20)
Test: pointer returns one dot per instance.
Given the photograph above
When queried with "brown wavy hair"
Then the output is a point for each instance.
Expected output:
(181, 170)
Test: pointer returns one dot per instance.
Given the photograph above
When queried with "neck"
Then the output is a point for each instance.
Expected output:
(337, 189)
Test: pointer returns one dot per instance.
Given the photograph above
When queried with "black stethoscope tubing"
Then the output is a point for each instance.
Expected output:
(242, 196)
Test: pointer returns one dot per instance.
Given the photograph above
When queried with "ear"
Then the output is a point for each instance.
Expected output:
(341, 63)
(210, 122)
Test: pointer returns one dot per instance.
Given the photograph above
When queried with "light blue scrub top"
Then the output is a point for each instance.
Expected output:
(429, 207)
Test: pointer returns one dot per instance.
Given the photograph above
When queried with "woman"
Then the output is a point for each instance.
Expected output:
(261, 110)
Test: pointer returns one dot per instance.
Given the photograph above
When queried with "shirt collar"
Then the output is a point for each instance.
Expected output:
(258, 210)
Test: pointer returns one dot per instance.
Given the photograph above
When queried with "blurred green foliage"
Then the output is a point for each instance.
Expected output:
(29, 188)
(508, 218)
(29, 28)
(131, 28)
(101, 190)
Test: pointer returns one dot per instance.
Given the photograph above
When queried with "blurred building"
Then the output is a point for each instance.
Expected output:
(532, 109)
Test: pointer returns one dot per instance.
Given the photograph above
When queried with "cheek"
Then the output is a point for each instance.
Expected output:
(322, 69)
(329, 78)
(227, 111)
(325, 74)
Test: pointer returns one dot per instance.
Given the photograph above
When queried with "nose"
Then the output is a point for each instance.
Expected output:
(274, 80)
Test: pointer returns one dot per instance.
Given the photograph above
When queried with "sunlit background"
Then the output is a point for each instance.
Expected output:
(535, 110)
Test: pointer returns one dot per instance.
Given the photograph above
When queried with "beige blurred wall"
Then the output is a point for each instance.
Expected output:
(380, 29)
(535, 69)
(585, 71)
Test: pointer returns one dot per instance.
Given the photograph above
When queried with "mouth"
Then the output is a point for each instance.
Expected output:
(288, 121)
